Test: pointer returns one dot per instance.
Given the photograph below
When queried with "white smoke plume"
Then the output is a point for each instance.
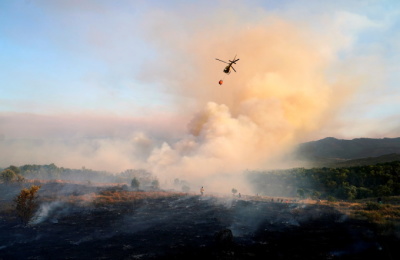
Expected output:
(289, 87)
(280, 94)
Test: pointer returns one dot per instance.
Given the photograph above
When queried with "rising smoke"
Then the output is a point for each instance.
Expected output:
(281, 95)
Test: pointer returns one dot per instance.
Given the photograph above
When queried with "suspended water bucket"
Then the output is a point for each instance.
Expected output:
(220, 82)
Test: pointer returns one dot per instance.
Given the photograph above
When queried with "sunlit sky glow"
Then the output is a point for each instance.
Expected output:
(78, 74)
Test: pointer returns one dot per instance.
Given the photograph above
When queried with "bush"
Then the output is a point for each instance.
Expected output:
(135, 183)
(316, 195)
(8, 176)
(301, 193)
(373, 206)
(347, 192)
(155, 184)
(331, 199)
(26, 203)
(363, 192)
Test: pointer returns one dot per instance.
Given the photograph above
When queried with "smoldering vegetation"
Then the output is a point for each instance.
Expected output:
(81, 221)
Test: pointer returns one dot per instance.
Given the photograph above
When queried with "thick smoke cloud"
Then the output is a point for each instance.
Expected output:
(280, 95)
(290, 87)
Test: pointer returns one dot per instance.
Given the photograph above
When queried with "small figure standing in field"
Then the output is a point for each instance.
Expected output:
(202, 190)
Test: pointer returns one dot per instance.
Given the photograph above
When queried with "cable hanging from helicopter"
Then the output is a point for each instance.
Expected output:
(228, 68)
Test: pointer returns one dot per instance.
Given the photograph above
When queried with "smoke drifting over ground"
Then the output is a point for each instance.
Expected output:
(285, 90)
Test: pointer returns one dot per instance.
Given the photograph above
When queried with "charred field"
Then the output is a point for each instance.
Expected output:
(76, 221)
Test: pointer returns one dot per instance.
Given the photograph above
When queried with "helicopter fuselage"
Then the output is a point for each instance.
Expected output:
(227, 69)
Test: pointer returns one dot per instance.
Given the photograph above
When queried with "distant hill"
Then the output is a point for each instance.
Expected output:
(368, 161)
(338, 152)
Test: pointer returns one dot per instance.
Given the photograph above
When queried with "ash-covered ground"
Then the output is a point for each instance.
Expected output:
(183, 226)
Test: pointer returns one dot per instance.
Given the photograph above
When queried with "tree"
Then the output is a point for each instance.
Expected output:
(347, 192)
(301, 193)
(234, 191)
(26, 203)
(155, 184)
(135, 183)
(8, 176)
(176, 182)
(383, 190)
(315, 195)
(363, 192)
(15, 169)
(331, 198)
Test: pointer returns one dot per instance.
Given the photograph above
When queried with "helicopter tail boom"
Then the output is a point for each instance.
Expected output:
(222, 61)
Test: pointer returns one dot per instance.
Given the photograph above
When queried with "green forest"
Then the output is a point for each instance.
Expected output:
(344, 183)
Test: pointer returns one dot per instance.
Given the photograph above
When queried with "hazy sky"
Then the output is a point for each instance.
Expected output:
(112, 85)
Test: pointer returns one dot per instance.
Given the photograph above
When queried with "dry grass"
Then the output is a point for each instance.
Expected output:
(112, 197)
(97, 184)
(126, 196)
(107, 193)
(385, 217)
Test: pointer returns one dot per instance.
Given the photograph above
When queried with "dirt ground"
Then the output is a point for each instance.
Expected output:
(191, 227)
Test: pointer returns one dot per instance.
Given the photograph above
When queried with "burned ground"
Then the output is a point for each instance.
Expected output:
(167, 225)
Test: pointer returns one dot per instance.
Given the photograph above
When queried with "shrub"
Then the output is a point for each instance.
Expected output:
(8, 176)
(371, 216)
(301, 193)
(363, 192)
(331, 199)
(26, 203)
(20, 179)
(315, 195)
(155, 184)
(373, 206)
(135, 183)
(347, 192)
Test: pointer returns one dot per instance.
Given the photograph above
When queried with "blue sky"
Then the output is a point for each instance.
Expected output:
(115, 71)
(49, 56)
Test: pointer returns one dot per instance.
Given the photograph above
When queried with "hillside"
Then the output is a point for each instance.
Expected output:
(368, 161)
(338, 152)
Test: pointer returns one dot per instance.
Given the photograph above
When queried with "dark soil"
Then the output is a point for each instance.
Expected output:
(192, 227)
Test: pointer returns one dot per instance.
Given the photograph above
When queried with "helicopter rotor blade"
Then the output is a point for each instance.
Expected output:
(222, 61)
(233, 61)
(233, 69)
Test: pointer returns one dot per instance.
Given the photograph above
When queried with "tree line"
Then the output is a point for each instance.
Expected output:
(346, 183)
(14, 174)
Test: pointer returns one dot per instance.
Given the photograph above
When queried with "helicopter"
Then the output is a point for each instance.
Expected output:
(227, 69)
